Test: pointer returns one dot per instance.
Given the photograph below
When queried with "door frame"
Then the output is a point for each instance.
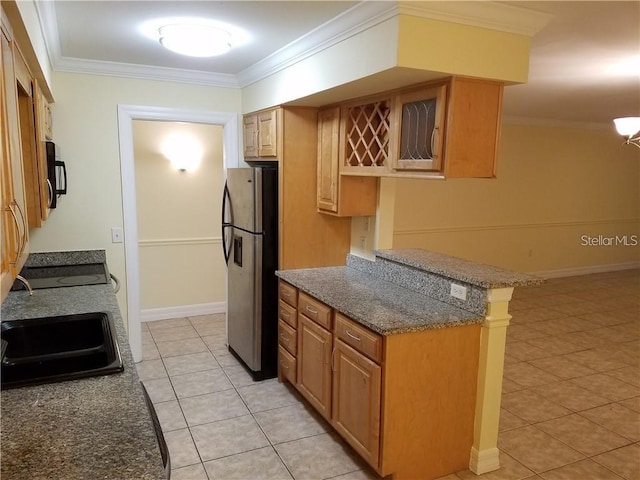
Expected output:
(126, 115)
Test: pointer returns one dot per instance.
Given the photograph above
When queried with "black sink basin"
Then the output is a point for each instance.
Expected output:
(53, 349)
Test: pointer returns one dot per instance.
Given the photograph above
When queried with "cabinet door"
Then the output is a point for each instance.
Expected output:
(35, 203)
(267, 133)
(419, 129)
(328, 144)
(314, 364)
(356, 401)
(9, 240)
(43, 133)
(250, 133)
(14, 222)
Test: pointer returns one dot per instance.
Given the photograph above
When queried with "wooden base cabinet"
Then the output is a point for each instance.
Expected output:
(314, 364)
(428, 402)
(287, 332)
(404, 402)
(356, 401)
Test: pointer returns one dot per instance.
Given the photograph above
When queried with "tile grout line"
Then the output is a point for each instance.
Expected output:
(271, 445)
(180, 405)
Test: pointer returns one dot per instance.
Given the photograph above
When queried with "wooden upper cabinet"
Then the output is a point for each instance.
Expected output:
(268, 133)
(43, 124)
(35, 122)
(15, 231)
(328, 145)
(365, 129)
(250, 133)
(418, 129)
(446, 128)
(337, 194)
(472, 132)
(261, 134)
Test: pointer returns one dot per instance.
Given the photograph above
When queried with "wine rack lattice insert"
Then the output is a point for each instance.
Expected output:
(367, 135)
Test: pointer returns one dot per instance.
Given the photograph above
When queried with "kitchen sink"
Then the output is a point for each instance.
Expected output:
(55, 349)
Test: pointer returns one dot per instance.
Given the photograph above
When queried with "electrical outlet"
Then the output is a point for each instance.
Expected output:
(117, 235)
(458, 291)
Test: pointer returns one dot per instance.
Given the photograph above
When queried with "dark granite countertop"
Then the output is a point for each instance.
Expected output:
(481, 275)
(382, 306)
(92, 428)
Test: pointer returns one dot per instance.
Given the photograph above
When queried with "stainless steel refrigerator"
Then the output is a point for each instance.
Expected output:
(250, 242)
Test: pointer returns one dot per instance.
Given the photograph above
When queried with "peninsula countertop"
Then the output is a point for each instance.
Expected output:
(382, 306)
(92, 428)
(460, 269)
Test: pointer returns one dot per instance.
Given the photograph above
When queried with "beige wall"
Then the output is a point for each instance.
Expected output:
(85, 129)
(554, 185)
(180, 253)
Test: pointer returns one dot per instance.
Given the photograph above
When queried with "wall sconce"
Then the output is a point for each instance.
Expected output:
(183, 151)
(628, 127)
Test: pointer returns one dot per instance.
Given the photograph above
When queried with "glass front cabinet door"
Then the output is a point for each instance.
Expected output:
(419, 141)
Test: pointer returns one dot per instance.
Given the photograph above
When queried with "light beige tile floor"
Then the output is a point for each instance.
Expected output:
(570, 408)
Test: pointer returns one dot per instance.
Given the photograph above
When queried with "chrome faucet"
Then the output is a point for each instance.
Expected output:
(26, 283)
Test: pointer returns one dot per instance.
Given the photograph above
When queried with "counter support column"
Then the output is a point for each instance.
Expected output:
(484, 453)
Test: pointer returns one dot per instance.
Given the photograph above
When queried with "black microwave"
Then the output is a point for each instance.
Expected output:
(56, 175)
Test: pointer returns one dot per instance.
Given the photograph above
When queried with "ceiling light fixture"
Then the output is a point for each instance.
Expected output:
(195, 40)
(628, 127)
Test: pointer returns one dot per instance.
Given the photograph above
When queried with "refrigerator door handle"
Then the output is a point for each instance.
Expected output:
(226, 248)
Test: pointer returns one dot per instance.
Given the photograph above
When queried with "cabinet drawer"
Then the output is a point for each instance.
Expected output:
(315, 310)
(286, 364)
(361, 338)
(287, 337)
(287, 313)
(288, 293)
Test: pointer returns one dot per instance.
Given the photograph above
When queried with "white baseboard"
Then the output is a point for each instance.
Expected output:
(484, 461)
(574, 271)
(152, 314)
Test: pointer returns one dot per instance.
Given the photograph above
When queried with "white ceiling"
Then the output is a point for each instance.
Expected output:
(569, 79)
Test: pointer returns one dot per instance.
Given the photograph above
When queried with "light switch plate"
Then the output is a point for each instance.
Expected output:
(117, 235)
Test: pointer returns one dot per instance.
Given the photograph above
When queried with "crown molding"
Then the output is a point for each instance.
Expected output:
(484, 14)
(47, 18)
(145, 72)
(359, 18)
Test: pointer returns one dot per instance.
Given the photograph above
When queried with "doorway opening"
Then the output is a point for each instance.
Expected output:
(126, 115)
